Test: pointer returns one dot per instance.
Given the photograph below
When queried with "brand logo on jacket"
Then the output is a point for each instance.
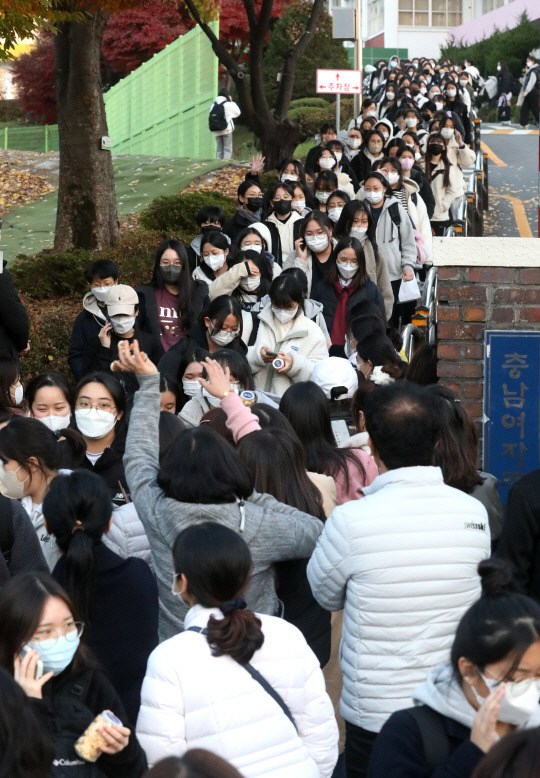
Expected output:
(474, 525)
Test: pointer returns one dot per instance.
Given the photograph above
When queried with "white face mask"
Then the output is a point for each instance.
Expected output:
(327, 163)
(392, 177)
(223, 338)
(94, 424)
(348, 270)
(417, 155)
(122, 324)
(322, 197)
(284, 316)
(439, 106)
(530, 64)
(451, 92)
(191, 388)
(215, 261)
(334, 213)
(411, 121)
(251, 283)
(100, 293)
(338, 155)
(423, 90)
(317, 242)
(390, 96)
(252, 247)
(10, 486)
(354, 143)
(215, 402)
(518, 703)
(298, 205)
(18, 394)
(370, 113)
(358, 232)
(55, 423)
(288, 177)
(374, 197)
(447, 132)
(498, 68)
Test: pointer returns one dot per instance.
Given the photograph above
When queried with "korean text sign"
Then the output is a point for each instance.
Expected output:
(511, 406)
(343, 82)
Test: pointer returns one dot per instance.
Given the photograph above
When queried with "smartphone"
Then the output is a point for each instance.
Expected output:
(271, 354)
(39, 666)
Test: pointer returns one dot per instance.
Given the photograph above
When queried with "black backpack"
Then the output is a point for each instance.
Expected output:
(434, 736)
(6, 529)
(216, 119)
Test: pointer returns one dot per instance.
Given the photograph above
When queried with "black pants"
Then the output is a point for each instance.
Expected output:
(401, 312)
(358, 747)
(530, 103)
(439, 227)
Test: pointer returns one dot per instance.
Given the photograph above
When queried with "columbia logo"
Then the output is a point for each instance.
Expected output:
(473, 525)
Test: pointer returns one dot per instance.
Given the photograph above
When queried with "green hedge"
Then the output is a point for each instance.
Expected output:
(175, 215)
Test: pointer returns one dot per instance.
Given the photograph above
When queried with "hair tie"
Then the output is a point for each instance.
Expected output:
(238, 604)
(77, 526)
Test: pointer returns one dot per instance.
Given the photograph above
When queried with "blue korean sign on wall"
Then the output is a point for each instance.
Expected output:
(511, 405)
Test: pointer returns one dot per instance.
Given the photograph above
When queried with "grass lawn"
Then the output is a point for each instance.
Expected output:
(139, 179)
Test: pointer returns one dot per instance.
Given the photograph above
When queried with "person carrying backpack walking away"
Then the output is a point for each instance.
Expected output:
(220, 122)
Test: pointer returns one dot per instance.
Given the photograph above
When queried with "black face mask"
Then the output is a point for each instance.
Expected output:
(435, 148)
(283, 207)
(426, 117)
(170, 274)
(254, 203)
(210, 228)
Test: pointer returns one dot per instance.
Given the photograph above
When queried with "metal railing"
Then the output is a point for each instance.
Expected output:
(467, 212)
(42, 138)
(423, 326)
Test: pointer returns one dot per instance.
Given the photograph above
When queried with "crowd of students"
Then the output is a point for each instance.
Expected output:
(245, 525)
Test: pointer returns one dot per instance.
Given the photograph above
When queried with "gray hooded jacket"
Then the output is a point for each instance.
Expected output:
(273, 531)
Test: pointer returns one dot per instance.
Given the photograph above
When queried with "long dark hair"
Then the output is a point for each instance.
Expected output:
(499, 624)
(361, 277)
(112, 385)
(26, 745)
(217, 564)
(457, 448)
(515, 756)
(346, 220)
(430, 167)
(219, 241)
(218, 310)
(196, 763)
(264, 265)
(185, 284)
(50, 380)
(9, 373)
(276, 462)
(22, 600)
(308, 410)
(77, 510)
(23, 438)
(195, 354)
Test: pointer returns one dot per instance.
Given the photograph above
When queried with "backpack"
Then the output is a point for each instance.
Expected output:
(434, 736)
(216, 119)
(421, 251)
(68, 719)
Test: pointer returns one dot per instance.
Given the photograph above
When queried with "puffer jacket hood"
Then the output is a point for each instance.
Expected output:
(442, 692)
(312, 308)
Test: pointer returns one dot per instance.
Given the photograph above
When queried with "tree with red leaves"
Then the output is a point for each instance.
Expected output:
(33, 74)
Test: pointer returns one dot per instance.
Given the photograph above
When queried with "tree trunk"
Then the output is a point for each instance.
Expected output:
(86, 216)
(278, 142)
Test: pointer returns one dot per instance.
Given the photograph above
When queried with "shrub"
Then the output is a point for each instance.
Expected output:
(174, 216)
(310, 119)
(310, 102)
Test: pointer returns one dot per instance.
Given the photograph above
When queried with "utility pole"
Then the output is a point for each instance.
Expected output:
(358, 52)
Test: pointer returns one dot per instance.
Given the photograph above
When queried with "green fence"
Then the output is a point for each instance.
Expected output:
(162, 107)
(43, 138)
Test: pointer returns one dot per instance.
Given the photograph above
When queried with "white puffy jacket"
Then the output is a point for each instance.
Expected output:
(127, 536)
(191, 699)
(403, 563)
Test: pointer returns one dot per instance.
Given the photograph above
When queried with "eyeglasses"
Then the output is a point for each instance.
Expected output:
(101, 407)
(71, 632)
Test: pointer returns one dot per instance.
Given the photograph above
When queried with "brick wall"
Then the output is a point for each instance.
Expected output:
(472, 299)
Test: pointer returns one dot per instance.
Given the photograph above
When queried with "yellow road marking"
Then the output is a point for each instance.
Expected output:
(491, 155)
(521, 217)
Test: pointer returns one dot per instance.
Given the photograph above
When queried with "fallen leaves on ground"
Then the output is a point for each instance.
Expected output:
(18, 185)
(225, 180)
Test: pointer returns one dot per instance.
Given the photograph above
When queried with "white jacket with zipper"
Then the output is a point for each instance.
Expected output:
(191, 699)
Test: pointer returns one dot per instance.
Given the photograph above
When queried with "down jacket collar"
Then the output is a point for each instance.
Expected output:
(199, 616)
(406, 476)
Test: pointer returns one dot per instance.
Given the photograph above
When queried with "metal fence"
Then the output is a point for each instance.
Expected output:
(42, 139)
(162, 107)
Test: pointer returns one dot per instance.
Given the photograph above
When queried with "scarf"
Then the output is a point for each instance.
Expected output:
(339, 325)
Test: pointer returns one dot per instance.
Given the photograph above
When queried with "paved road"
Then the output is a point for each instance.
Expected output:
(513, 182)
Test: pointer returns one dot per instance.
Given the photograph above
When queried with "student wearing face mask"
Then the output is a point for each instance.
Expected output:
(412, 171)
(344, 165)
(313, 248)
(388, 101)
(325, 184)
(250, 275)
(121, 307)
(49, 399)
(248, 211)
(457, 151)
(326, 162)
(347, 284)
(282, 217)
(100, 407)
(99, 275)
(353, 141)
(335, 204)
(31, 459)
(372, 149)
(171, 302)
(357, 222)
(453, 102)
(214, 251)
(11, 388)
(209, 219)
(284, 330)
(386, 127)
(292, 171)
(327, 131)
(72, 690)
(530, 92)
(302, 200)
(445, 179)
(487, 690)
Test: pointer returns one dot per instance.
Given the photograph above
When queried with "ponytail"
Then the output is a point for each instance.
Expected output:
(75, 442)
(238, 634)
(77, 510)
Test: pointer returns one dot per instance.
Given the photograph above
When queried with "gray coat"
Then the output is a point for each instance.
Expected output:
(273, 531)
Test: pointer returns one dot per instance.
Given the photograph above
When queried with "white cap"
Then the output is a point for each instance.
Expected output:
(335, 371)
(264, 232)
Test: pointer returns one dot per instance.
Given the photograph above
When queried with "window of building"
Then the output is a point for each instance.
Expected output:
(430, 13)
(491, 5)
(375, 13)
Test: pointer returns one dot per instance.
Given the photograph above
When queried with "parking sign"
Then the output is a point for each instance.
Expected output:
(339, 82)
